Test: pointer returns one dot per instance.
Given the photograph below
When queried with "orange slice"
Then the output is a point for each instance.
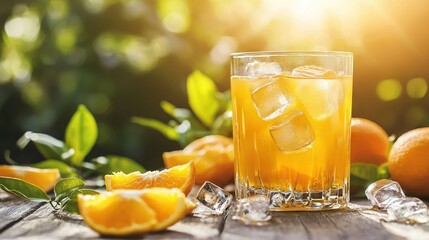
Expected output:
(212, 155)
(170, 205)
(45, 179)
(181, 177)
(117, 213)
(130, 212)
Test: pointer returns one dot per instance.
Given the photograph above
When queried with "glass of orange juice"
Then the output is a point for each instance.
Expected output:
(291, 128)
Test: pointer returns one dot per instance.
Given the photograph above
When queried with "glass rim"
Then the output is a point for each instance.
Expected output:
(291, 53)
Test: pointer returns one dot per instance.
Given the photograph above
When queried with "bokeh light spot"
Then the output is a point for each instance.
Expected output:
(175, 22)
(66, 38)
(15, 67)
(417, 88)
(58, 9)
(134, 8)
(94, 6)
(25, 27)
(223, 48)
(389, 89)
(174, 14)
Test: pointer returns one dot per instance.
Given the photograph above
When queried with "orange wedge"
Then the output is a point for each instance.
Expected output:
(170, 205)
(130, 212)
(212, 155)
(45, 179)
(181, 177)
(117, 213)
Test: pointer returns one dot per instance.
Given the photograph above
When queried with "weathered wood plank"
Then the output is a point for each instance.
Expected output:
(45, 223)
(335, 224)
(13, 209)
(20, 219)
(192, 228)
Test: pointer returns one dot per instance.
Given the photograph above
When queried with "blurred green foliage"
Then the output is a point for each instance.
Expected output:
(108, 55)
(69, 156)
(211, 113)
(121, 58)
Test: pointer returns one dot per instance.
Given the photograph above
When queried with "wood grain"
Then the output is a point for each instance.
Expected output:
(334, 224)
(20, 219)
(14, 209)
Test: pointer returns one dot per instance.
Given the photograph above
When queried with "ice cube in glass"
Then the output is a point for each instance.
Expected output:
(292, 132)
(312, 71)
(384, 192)
(322, 93)
(263, 69)
(213, 198)
(270, 100)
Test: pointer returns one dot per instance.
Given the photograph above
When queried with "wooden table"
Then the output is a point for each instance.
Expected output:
(20, 219)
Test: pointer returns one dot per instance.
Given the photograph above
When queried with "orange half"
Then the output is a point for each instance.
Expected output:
(212, 155)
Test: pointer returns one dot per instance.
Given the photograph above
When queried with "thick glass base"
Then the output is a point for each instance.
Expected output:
(333, 198)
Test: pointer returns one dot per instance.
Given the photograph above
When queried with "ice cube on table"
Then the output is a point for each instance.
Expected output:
(253, 210)
(406, 207)
(263, 69)
(292, 132)
(312, 71)
(384, 192)
(270, 100)
(212, 199)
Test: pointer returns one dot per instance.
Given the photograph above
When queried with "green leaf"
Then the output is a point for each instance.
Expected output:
(223, 124)
(362, 175)
(168, 131)
(23, 189)
(81, 134)
(86, 191)
(202, 97)
(181, 115)
(188, 135)
(383, 171)
(65, 170)
(224, 99)
(49, 147)
(364, 171)
(112, 163)
(71, 204)
(66, 185)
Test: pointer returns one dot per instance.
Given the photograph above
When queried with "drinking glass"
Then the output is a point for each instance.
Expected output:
(291, 128)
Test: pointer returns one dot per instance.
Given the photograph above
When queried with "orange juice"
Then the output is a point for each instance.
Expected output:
(292, 137)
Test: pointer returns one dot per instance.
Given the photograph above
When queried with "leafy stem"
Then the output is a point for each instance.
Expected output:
(66, 191)
(210, 112)
(69, 156)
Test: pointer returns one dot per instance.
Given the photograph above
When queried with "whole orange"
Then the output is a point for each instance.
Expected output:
(409, 162)
(369, 142)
